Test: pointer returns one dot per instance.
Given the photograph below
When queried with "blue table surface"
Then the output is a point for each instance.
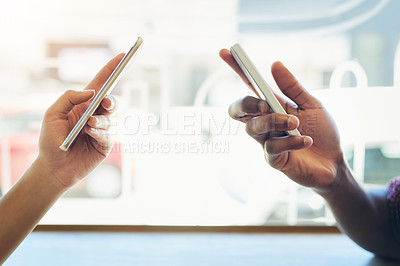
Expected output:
(88, 248)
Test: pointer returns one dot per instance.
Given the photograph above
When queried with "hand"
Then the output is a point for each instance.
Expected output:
(91, 146)
(311, 160)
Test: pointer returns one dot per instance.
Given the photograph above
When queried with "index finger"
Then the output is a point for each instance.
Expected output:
(248, 107)
(104, 73)
(230, 60)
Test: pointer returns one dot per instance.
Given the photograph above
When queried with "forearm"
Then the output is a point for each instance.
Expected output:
(24, 205)
(362, 215)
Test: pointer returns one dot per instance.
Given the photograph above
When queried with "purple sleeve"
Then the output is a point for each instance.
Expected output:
(393, 199)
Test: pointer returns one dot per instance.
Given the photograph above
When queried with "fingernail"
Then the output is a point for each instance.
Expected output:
(87, 91)
(292, 122)
(263, 107)
(92, 92)
(112, 103)
(307, 141)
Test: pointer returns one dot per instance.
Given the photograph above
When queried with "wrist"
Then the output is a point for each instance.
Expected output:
(342, 175)
(48, 175)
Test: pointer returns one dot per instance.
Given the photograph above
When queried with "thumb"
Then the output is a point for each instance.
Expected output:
(69, 99)
(289, 85)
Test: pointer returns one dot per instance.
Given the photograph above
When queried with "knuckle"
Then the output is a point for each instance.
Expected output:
(252, 128)
(270, 148)
(248, 103)
(260, 125)
(47, 113)
(270, 122)
(101, 121)
(105, 121)
(231, 111)
(237, 109)
(68, 92)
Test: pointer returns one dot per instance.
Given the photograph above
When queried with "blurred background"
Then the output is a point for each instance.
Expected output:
(178, 159)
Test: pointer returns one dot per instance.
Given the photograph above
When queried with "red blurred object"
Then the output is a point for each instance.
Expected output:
(19, 148)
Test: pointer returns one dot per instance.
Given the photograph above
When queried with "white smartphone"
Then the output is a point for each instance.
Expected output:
(104, 91)
(259, 84)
